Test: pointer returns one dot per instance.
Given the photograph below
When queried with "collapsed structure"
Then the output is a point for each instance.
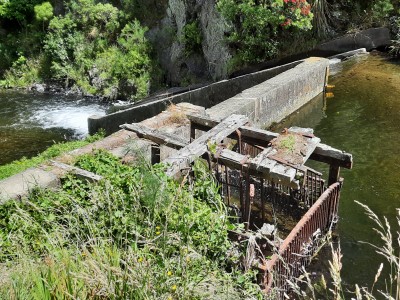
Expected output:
(261, 175)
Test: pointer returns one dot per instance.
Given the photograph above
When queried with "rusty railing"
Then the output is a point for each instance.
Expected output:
(295, 252)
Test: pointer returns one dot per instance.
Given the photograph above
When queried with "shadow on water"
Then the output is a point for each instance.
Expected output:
(363, 119)
(30, 123)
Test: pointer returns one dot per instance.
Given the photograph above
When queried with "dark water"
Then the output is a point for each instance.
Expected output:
(363, 118)
(29, 123)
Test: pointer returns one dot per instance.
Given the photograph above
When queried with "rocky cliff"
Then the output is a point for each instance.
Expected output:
(184, 60)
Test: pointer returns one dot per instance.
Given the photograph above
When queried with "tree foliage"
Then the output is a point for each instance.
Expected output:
(43, 12)
(19, 10)
(89, 47)
(257, 24)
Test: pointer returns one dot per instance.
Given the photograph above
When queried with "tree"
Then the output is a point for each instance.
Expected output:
(18, 10)
(43, 12)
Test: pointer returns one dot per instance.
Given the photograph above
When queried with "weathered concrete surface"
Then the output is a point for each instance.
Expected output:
(20, 184)
(348, 54)
(273, 100)
(206, 96)
(369, 39)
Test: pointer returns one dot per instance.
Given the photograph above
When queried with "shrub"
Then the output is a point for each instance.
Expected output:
(192, 38)
(256, 25)
(381, 10)
(89, 48)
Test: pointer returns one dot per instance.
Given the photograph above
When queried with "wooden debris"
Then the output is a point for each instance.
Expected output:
(156, 136)
(256, 136)
(83, 174)
(198, 147)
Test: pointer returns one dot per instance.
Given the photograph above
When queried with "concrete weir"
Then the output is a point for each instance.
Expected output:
(274, 99)
(207, 97)
(263, 97)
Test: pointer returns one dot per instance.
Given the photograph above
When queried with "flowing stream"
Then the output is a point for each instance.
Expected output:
(30, 123)
(362, 118)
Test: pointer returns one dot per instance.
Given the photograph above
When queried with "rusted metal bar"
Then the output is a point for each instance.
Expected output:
(287, 262)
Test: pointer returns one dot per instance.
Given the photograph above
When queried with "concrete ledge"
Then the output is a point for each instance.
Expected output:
(21, 184)
(274, 99)
(207, 97)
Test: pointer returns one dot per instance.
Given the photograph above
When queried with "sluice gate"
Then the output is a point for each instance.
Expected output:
(261, 175)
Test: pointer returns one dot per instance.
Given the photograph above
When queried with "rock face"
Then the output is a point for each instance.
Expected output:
(370, 39)
(183, 66)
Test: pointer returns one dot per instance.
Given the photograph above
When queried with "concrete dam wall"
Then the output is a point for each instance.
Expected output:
(265, 97)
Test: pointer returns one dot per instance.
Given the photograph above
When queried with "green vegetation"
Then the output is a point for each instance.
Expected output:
(257, 27)
(53, 151)
(93, 47)
(135, 235)
(192, 38)
(99, 47)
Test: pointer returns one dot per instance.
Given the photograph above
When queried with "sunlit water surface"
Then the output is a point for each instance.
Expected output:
(29, 123)
(363, 118)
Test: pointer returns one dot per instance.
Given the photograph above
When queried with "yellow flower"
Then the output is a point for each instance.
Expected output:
(158, 227)
(173, 288)
(169, 273)
(140, 259)
(169, 298)
(158, 232)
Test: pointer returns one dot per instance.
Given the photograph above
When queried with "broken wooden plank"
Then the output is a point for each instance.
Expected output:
(264, 167)
(184, 157)
(322, 153)
(80, 173)
(156, 136)
(284, 175)
(262, 162)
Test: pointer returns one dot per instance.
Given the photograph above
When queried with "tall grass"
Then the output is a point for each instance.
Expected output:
(135, 235)
(305, 288)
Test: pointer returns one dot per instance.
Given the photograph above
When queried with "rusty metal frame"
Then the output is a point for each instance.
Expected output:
(292, 256)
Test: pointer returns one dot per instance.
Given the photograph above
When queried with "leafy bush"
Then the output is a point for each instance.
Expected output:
(22, 73)
(192, 38)
(256, 25)
(381, 10)
(43, 12)
(89, 47)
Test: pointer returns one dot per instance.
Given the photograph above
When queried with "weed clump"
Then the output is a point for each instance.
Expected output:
(137, 234)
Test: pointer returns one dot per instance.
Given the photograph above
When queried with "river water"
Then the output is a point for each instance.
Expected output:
(30, 123)
(363, 118)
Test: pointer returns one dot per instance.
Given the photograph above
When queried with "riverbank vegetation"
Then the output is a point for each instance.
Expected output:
(101, 48)
(53, 151)
(138, 234)
(135, 235)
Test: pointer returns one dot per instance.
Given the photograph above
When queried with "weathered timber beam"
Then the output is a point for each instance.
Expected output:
(322, 153)
(156, 136)
(83, 174)
(332, 156)
(185, 156)
(265, 168)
